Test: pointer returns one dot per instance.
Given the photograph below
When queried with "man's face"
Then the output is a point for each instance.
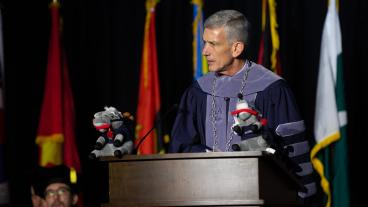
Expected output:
(59, 194)
(217, 50)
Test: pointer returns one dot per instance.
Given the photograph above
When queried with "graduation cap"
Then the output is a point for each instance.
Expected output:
(43, 177)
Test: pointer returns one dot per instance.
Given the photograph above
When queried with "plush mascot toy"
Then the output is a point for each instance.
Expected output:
(249, 126)
(116, 138)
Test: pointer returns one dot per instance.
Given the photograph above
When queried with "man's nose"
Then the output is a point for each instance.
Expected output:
(205, 50)
(58, 198)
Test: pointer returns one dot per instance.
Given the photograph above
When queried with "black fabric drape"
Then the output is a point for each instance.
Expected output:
(103, 42)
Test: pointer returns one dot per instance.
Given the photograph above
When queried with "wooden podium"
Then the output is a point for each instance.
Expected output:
(200, 179)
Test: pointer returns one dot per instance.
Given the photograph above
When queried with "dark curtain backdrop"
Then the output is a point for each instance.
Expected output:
(103, 43)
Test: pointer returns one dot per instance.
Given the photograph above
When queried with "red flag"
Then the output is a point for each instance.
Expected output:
(56, 138)
(268, 54)
(70, 153)
(50, 136)
(149, 93)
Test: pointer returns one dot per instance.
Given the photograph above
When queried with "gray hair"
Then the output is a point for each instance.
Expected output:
(235, 24)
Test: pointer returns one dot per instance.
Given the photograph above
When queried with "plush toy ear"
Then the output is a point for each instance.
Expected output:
(128, 115)
(98, 114)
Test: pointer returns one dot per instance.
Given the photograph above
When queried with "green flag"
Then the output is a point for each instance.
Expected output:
(329, 155)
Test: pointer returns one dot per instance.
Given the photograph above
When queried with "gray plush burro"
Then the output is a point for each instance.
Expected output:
(247, 124)
(116, 133)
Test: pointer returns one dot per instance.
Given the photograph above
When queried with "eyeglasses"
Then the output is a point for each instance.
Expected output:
(60, 191)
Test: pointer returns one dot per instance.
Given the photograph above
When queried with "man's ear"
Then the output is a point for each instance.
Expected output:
(75, 199)
(237, 49)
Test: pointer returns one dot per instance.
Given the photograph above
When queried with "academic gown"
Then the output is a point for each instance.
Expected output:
(269, 94)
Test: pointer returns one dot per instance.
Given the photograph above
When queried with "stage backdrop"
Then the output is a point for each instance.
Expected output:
(103, 42)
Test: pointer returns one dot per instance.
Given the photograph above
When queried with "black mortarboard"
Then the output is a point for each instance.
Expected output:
(42, 177)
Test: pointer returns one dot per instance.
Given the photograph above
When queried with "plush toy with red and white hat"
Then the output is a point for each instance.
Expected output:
(116, 138)
(248, 125)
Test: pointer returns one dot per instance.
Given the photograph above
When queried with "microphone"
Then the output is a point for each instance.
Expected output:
(141, 140)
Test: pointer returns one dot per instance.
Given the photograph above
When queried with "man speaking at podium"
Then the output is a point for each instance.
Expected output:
(204, 121)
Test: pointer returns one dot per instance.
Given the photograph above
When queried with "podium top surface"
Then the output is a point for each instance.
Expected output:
(175, 156)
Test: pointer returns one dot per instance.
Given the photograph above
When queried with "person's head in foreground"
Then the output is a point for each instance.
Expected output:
(57, 185)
